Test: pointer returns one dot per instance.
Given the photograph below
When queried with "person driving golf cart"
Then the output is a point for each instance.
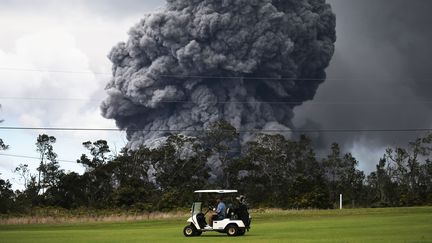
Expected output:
(219, 213)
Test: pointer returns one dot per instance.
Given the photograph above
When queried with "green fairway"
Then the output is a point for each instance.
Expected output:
(358, 225)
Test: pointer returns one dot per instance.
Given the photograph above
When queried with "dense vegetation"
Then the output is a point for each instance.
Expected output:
(271, 171)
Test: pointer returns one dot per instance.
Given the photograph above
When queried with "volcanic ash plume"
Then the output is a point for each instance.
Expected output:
(249, 62)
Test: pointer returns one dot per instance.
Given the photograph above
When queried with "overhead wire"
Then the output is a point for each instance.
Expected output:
(235, 102)
(317, 155)
(22, 69)
(212, 77)
(215, 77)
(35, 158)
(48, 99)
(222, 102)
(207, 130)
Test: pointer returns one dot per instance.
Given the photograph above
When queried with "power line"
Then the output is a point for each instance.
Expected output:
(32, 157)
(242, 77)
(14, 69)
(317, 155)
(239, 131)
(237, 102)
(48, 99)
(61, 129)
(290, 79)
(163, 75)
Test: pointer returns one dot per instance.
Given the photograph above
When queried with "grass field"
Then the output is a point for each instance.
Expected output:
(357, 225)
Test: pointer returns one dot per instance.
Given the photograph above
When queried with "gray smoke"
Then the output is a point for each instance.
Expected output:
(379, 76)
(199, 61)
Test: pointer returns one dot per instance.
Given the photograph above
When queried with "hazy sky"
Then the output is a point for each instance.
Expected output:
(59, 35)
(379, 77)
(382, 60)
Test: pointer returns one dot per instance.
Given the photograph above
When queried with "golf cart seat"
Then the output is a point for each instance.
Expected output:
(229, 212)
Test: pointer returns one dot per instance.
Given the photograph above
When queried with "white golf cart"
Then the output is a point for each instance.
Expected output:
(236, 222)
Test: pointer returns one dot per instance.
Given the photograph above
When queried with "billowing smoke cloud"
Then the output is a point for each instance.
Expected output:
(199, 61)
(378, 78)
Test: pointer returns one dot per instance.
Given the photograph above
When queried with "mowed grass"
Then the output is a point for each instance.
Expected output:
(356, 225)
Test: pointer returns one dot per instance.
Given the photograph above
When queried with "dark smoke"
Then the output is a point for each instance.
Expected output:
(212, 54)
(382, 62)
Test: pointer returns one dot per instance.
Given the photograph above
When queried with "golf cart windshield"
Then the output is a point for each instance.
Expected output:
(196, 208)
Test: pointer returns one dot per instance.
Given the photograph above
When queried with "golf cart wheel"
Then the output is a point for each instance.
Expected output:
(189, 231)
(232, 230)
(241, 231)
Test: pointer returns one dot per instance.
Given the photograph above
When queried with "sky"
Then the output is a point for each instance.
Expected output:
(382, 60)
(379, 77)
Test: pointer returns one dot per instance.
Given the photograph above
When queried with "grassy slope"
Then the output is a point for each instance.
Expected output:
(360, 225)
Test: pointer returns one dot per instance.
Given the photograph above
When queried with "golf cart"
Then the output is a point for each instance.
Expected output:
(236, 222)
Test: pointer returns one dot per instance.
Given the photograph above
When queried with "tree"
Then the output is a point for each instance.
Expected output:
(426, 181)
(309, 188)
(98, 177)
(332, 167)
(220, 142)
(407, 171)
(6, 193)
(70, 191)
(3, 146)
(98, 150)
(6, 196)
(24, 174)
(342, 175)
(277, 172)
(179, 168)
(48, 169)
(381, 189)
(351, 180)
(134, 187)
(30, 196)
(271, 167)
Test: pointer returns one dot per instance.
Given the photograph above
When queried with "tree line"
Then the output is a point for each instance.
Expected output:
(271, 171)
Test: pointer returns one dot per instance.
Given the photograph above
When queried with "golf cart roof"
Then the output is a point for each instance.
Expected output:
(216, 191)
